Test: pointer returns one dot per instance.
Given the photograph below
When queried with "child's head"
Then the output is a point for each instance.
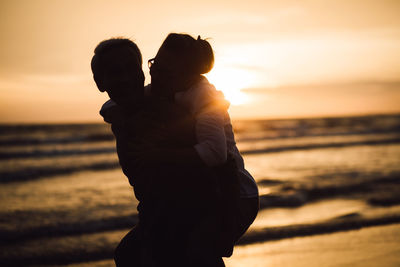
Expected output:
(117, 69)
(179, 62)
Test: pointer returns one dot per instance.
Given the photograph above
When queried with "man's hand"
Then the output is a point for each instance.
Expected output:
(145, 153)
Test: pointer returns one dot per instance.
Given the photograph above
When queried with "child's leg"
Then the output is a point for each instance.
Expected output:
(247, 213)
(128, 250)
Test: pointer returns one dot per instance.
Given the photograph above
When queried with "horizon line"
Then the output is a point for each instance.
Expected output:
(327, 116)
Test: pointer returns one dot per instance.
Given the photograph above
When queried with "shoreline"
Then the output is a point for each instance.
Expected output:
(372, 246)
(99, 246)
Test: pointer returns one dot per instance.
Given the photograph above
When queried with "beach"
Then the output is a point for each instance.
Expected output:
(328, 193)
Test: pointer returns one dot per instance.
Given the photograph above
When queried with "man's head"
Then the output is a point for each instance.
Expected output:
(117, 70)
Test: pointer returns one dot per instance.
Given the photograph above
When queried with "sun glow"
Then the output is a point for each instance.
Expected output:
(231, 81)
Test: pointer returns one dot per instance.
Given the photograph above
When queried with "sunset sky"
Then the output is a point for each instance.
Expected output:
(273, 59)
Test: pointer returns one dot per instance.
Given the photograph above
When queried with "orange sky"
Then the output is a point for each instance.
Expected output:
(273, 58)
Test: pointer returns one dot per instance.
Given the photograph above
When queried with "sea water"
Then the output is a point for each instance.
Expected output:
(64, 199)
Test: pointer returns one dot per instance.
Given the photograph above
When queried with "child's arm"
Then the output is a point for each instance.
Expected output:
(210, 135)
(209, 109)
(210, 148)
(110, 111)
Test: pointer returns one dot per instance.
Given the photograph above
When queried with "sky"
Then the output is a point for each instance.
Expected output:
(273, 59)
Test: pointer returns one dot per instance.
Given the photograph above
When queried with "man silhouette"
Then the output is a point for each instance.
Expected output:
(171, 197)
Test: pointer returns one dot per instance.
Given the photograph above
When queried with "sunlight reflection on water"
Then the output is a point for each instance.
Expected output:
(376, 246)
(310, 213)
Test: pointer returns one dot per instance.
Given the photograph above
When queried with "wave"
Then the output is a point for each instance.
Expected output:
(54, 228)
(319, 146)
(64, 229)
(32, 173)
(7, 142)
(246, 130)
(373, 190)
(82, 248)
(54, 153)
(60, 152)
(265, 135)
(344, 223)
(55, 256)
(99, 137)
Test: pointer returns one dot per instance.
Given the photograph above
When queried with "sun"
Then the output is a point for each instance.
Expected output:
(231, 81)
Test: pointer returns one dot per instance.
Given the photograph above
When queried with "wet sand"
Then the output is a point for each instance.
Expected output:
(371, 246)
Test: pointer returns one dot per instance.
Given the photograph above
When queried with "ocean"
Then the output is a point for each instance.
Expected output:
(65, 201)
